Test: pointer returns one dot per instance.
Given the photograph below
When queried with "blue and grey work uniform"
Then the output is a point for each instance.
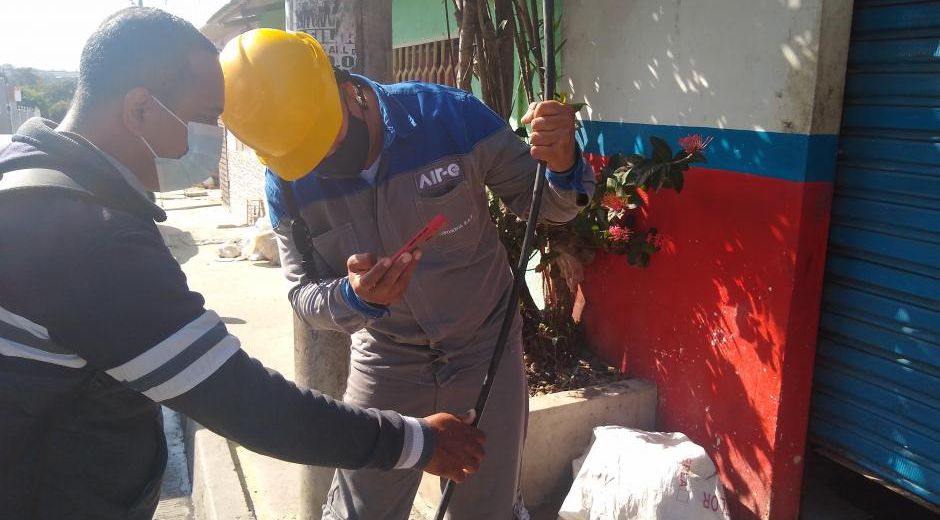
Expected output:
(98, 328)
(426, 353)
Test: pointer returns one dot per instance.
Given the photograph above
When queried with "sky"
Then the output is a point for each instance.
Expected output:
(50, 34)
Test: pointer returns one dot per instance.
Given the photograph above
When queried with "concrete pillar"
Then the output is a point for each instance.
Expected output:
(321, 361)
(724, 320)
(358, 37)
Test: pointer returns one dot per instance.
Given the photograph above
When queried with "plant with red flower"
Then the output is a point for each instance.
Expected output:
(614, 203)
(618, 233)
(693, 144)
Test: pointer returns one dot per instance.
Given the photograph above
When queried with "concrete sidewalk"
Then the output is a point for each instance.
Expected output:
(175, 500)
(251, 299)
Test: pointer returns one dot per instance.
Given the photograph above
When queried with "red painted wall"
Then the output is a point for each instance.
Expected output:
(724, 321)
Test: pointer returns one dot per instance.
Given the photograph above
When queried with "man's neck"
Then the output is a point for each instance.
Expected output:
(373, 118)
(108, 139)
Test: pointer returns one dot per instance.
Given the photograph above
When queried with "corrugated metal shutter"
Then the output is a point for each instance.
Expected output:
(877, 385)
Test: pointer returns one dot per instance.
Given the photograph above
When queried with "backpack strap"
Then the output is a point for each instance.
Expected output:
(300, 233)
(38, 178)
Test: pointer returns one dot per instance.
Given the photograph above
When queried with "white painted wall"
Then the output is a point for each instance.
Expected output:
(245, 177)
(743, 64)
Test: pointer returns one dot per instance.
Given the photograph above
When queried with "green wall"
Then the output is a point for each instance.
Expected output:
(273, 18)
(420, 21)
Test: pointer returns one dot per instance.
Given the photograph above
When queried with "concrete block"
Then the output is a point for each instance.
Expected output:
(559, 431)
(218, 493)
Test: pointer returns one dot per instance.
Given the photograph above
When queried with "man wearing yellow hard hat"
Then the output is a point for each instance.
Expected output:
(355, 169)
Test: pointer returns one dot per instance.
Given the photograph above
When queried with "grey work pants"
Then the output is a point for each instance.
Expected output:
(412, 389)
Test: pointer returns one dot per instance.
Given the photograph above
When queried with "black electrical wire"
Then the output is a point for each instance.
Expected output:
(512, 308)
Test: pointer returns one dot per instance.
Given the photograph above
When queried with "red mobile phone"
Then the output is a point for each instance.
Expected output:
(422, 237)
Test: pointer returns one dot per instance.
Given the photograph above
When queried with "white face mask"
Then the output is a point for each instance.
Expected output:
(200, 161)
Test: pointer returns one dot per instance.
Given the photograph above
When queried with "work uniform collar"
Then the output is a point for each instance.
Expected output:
(125, 172)
(396, 119)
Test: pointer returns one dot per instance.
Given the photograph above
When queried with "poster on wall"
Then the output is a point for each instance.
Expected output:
(332, 23)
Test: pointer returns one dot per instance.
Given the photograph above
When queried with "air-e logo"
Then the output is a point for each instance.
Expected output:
(437, 176)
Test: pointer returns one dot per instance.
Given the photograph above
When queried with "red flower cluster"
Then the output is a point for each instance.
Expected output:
(618, 233)
(694, 143)
(612, 201)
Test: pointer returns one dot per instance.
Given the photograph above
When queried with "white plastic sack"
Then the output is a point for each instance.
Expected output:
(260, 243)
(636, 475)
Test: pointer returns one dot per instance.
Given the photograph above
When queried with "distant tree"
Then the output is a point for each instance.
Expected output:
(57, 111)
(50, 94)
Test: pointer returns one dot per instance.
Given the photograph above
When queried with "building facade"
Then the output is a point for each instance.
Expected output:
(241, 175)
(12, 113)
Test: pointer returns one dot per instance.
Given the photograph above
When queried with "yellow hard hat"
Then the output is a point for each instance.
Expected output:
(281, 99)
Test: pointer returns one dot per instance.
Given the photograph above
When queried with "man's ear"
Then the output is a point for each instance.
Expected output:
(137, 110)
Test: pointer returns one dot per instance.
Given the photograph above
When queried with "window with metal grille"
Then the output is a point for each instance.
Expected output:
(432, 62)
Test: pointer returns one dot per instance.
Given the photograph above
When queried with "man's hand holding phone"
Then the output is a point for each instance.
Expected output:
(383, 281)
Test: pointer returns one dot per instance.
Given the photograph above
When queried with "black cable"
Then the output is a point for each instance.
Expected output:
(512, 310)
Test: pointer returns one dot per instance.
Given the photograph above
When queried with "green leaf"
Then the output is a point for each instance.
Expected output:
(660, 176)
(676, 179)
(661, 150)
(642, 174)
(616, 161)
(577, 106)
(634, 159)
(632, 258)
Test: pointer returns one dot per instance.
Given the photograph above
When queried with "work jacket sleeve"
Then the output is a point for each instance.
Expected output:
(132, 316)
(509, 169)
(322, 302)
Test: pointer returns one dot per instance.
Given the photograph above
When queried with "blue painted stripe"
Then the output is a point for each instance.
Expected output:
(790, 157)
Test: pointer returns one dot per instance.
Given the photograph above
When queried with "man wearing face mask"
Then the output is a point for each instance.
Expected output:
(97, 325)
(355, 169)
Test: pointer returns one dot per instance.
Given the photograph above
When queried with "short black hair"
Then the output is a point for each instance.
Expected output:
(137, 47)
